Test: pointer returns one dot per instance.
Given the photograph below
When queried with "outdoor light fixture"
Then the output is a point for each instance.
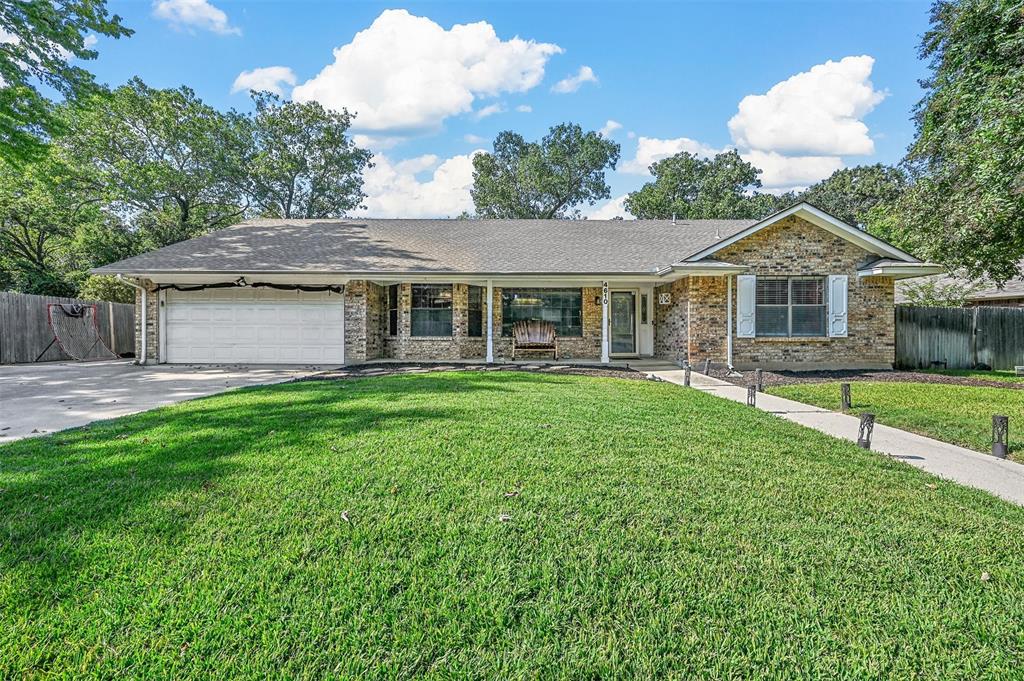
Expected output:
(686, 374)
(707, 366)
(845, 388)
(1000, 436)
(751, 395)
(240, 282)
(867, 424)
(759, 380)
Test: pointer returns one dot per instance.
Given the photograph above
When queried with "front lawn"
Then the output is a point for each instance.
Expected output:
(494, 525)
(1007, 376)
(958, 414)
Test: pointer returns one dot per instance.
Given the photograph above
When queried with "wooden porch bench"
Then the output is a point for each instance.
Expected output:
(534, 336)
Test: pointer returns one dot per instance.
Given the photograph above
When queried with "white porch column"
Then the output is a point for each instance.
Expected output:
(728, 323)
(604, 322)
(490, 321)
(344, 291)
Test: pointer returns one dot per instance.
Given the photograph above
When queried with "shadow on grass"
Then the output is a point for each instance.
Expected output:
(57, 489)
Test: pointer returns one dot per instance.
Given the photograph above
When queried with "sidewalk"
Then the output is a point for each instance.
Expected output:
(1000, 477)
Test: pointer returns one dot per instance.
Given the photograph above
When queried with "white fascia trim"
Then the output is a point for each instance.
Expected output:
(818, 218)
(902, 271)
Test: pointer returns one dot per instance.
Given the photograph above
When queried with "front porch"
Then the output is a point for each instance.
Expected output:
(470, 321)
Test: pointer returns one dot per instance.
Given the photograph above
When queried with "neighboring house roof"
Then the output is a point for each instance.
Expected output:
(353, 246)
(986, 290)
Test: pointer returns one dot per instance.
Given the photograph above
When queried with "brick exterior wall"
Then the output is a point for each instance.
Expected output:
(671, 321)
(794, 247)
(152, 313)
(364, 310)
(587, 346)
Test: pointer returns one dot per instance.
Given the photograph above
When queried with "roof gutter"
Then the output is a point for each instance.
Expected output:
(142, 358)
(902, 271)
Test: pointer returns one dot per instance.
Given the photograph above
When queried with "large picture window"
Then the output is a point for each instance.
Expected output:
(791, 306)
(475, 310)
(431, 310)
(562, 306)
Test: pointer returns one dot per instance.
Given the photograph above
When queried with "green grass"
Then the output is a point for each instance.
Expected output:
(958, 414)
(1000, 375)
(353, 529)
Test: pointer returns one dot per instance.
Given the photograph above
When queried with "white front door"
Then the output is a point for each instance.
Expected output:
(254, 326)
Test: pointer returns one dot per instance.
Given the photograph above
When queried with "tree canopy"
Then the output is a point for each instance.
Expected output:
(162, 159)
(551, 178)
(966, 204)
(860, 194)
(302, 164)
(688, 186)
(39, 42)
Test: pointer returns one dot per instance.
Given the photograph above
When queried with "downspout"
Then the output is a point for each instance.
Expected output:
(145, 314)
(728, 324)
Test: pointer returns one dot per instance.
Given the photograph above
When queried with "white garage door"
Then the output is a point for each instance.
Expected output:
(253, 326)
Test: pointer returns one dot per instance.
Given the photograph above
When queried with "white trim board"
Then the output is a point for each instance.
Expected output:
(818, 218)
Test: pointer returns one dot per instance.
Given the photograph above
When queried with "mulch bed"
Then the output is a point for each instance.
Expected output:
(399, 369)
(771, 378)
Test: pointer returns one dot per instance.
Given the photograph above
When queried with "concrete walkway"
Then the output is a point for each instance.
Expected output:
(1000, 477)
(36, 399)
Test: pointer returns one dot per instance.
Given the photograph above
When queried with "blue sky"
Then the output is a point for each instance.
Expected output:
(800, 88)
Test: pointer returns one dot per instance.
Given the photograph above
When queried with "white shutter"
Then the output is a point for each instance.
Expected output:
(746, 300)
(837, 308)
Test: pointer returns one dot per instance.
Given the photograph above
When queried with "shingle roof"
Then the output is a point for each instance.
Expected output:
(467, 246)
(986, 290)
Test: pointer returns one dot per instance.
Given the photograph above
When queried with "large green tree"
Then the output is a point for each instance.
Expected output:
(39, 41)
(688, 186)
(303, 164)
(966, 205)
(858, 195)
(551, 178)
(162, 160)
(39, 216)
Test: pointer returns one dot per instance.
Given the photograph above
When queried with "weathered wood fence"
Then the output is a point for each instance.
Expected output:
(960, 336)
(24, 332)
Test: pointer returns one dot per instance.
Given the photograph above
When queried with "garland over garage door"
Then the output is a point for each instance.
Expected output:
(253, 326)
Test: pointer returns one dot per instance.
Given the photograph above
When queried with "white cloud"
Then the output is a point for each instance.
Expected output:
(90, 41)
(474, 139)
(376, 142)
(393, 189)
(814, 112)
(489, 110)
(524, 108)
(192, 14)
(407, 73)
(271, 78)
(651, 149)
(573, 83)
(631, 135)
(613, 208)
(610, 127)
(784, 173)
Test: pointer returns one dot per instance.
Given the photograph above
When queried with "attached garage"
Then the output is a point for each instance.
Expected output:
(252, 326)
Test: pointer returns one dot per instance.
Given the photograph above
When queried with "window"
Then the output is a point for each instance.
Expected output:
(790, 306)
(476, 312)
(431, 310)
(562, 306)
(393, 310)
(643, 308)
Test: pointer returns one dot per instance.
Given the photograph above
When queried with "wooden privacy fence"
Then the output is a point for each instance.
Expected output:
(960, 336)
(24, 332)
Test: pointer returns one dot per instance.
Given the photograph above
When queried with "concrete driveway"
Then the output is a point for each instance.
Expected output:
(36, 399)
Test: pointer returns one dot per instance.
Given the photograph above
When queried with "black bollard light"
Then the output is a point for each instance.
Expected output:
(1000, 436)
(751, 395)
(759, 380)
(867, 424)
(707, 366)
(686, 375)
(845, 388)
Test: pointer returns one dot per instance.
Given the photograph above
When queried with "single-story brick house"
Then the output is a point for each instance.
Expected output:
(799, 289)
